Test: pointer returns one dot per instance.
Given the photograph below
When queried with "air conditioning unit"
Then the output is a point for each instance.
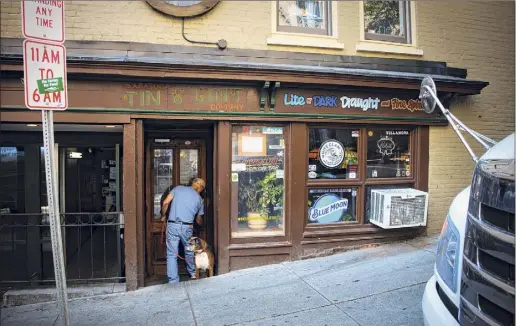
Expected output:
(398, 208)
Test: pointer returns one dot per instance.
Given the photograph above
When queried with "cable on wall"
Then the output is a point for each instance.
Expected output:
(221, 44)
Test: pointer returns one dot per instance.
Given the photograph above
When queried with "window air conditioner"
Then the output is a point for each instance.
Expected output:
(398, 208)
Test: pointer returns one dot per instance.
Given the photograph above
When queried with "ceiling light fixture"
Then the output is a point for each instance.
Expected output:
(32, 125)
(110, 126)
(75, 155)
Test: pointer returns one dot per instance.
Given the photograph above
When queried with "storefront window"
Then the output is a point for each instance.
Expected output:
(388, 153)
(332, 205)
(333, 153)
(257, 179)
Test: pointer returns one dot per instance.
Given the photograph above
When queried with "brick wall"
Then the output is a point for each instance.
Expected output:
(478, 36)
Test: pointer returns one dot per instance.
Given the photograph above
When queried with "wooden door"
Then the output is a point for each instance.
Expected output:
(170, 164)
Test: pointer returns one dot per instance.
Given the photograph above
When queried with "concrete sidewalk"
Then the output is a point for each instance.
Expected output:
(376, 286)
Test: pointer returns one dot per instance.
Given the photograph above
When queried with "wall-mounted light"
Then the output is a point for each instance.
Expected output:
(32, 125)
(75, 155)
(110, 126)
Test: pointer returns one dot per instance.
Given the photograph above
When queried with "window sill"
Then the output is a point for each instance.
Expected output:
(254, 234)
(305, 40)
(386, 47)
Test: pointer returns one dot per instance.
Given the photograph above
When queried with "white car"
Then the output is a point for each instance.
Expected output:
(441, 299)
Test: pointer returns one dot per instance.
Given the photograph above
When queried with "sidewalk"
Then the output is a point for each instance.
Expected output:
(376, 286)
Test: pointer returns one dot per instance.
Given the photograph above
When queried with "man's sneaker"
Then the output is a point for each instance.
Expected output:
(193, 277)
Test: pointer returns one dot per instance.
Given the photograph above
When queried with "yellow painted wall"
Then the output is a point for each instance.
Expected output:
(478, 36)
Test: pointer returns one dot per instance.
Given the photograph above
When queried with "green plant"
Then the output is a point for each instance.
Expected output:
(249, 193)
(261, 194)
(272, 193)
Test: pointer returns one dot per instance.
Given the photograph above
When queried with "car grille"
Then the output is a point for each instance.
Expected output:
(487, 283)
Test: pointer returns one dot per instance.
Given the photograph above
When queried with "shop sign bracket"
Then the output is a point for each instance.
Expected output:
(274, 89)
(264, 94)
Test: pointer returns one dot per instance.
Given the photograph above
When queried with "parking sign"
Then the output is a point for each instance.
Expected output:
(45, 75)
(43, 20)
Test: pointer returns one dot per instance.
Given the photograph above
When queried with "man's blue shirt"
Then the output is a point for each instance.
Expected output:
(186, 204)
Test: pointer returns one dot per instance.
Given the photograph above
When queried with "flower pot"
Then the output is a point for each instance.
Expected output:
(256, 221)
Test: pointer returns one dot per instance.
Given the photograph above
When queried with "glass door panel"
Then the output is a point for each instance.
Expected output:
(188, 165)
(163, 176)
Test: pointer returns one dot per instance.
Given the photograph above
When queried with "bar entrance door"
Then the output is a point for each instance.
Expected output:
(170, 162)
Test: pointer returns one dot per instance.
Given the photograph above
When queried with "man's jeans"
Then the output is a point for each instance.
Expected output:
(175, 233)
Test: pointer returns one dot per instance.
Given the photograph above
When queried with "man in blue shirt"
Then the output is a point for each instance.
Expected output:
(186, 206)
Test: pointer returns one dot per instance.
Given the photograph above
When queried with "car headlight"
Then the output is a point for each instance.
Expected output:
(447, 259)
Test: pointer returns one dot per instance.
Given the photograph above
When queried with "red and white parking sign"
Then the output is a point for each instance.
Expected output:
(45, 75)
(43, 20)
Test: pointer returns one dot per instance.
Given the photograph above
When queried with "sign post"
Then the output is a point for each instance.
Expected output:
(44, 60)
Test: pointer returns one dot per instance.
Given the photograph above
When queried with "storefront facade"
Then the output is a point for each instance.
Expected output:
(315, 132)
(303, 155)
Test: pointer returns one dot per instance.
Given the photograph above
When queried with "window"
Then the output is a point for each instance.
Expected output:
(257, 181)
(304, 16)
(345, 164)
(333, 153)
(388, 154)
(183, 8)
(387, 21)
(332, 205)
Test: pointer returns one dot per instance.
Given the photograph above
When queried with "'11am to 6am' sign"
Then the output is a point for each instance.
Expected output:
(45, 75)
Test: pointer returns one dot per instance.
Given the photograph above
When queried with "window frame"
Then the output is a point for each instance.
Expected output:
(262, 236)
(407, 27)
(362, 181)
(308, 30)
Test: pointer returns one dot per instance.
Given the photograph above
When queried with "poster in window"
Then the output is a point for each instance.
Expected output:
(388, 153)
(333, 153)
(332, 205)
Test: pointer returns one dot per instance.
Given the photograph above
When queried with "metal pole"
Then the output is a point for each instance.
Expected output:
(454, 124)
(54, 216)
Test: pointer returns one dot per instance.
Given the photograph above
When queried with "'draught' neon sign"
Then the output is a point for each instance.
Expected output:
(323, 101)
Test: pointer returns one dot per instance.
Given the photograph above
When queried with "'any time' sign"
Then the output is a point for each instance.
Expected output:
(43, 20)
(45, 75)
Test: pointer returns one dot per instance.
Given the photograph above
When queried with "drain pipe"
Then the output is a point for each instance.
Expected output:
(221, 44)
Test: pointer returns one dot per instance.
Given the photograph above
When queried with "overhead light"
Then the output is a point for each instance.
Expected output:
(32, 125)
(75, 155)
(110, 126)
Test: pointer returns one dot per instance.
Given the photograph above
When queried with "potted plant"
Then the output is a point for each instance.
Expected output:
(258, 197)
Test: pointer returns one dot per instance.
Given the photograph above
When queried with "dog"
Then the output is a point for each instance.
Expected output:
(203, 256)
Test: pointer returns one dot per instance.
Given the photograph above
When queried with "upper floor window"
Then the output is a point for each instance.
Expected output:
(304, 16)
(387, 21)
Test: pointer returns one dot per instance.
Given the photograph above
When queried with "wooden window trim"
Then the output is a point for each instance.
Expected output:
(307, 30)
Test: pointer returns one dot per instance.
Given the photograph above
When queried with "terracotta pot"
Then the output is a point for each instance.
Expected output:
(255, 221)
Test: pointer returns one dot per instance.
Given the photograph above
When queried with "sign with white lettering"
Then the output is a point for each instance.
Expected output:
(45, 76)
(349, 102)
(43, 20)
(331, 205)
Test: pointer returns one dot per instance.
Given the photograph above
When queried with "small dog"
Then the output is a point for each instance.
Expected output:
(204, 259)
